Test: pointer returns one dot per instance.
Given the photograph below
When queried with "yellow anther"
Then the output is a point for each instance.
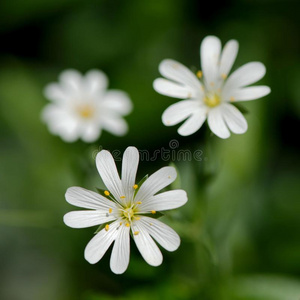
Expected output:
(106, 227)
(139, 202)
(169, 177)
(136, 232)
(86, 111)
(224, 76)
(135, 186)
(106, 193)
(232, 99)
(122, 197)
(212, 100)
(121, 223)
(199, 74)
(137, 218)
(127, 225)
(153, 212)
(110, 210)
(151, 224)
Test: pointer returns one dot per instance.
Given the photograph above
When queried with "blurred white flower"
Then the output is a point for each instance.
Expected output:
(210, 93)
(125, 207)
(81, 107)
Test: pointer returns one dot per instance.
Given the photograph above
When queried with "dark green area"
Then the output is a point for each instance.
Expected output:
(240, 228)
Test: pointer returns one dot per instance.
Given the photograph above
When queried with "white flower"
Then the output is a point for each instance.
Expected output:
(210, 93)
(124, 208)
(81, 107)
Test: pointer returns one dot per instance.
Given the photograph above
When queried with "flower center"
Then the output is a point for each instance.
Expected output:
(212, 100)
(128, 213)
(86, 111)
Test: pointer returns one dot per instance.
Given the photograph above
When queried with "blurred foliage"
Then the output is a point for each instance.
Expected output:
(240, 228)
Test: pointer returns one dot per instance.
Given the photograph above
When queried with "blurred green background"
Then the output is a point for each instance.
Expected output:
(240, 228)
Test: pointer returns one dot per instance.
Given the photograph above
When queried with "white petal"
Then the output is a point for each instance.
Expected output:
(81, 197)
(119, 259)
(87, 218)
(99, 244)
(228, 57)
(210, 53)
(174, 70)
(55, 113)
(115, 125)
(116, 102)
(162, 233)
(60, 122)
(248, 93)
(129, 168)
(179, 111)
(193, 123)
(72, 81)
(147, 247)
(55, 92)
(169, 88)
(91, 132)
(234, 118)
(243, 76)
(109, 174)
(156, 182)
(164, 201)
(95, 82)
(217, 124)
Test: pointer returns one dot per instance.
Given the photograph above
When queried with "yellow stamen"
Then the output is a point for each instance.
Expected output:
(106, 227)
(86, 111)
(122, 197)
(224, 76)
(212, 100)
(127, 225)
(135, 186)
(106, 193)
(128, 213)
(110, 210)
(199, 74)
(232, 98)
(137, 218)
(153, 212)
(136, 232)
(139, 202)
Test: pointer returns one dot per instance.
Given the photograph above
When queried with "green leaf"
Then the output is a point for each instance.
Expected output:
(156, 215)
(140, 183)
(99, 228)
(102, 193)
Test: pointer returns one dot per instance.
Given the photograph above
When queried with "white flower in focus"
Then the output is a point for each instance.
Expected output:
(81, 107)
(210, 93)
(124, 208)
